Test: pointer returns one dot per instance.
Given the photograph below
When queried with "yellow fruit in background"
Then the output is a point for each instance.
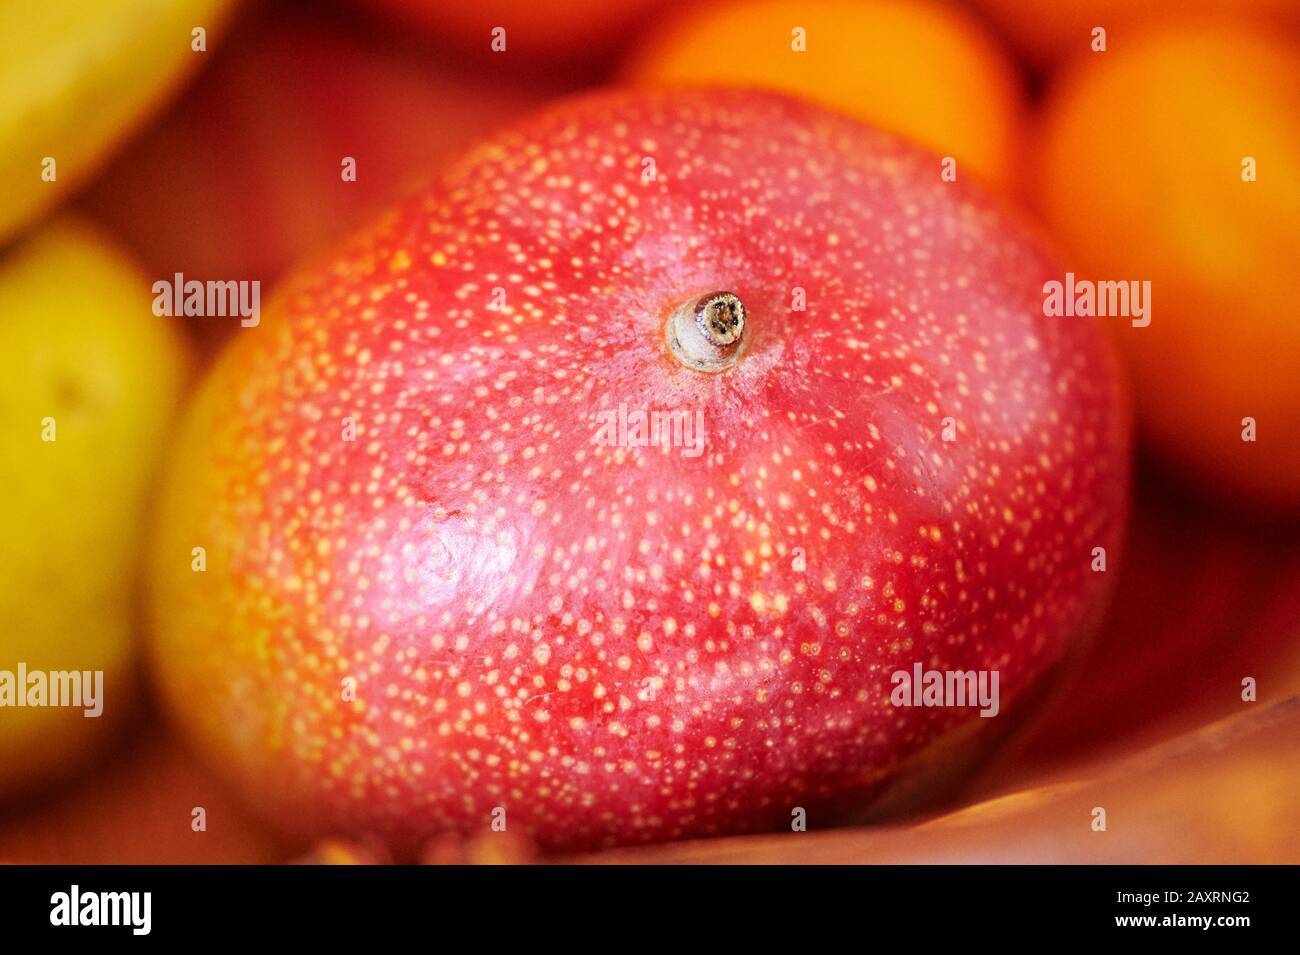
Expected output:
(1142, 160)
(924, 70)
(75, 77)
(87, 363)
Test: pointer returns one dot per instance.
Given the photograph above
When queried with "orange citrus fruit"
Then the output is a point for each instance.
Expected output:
(1045, 32)
(921, 69)
(1144, 159)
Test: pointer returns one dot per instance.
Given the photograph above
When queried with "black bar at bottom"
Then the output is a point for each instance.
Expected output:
(457, 906)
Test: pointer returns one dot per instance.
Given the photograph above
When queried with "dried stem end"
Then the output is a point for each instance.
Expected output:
(707, 333)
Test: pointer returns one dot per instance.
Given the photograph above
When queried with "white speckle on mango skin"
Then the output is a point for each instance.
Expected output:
(614, 643)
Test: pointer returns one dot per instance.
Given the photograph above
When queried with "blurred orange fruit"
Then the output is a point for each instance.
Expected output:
(1142, 155)
(1043, 32)
(340, 851)
(496, 848)
(920, 69)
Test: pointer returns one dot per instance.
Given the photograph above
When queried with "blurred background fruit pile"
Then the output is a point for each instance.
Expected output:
(140, 139)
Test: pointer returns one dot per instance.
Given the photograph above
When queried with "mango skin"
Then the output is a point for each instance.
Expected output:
(325, 659)
(76, 77)
(82, 346)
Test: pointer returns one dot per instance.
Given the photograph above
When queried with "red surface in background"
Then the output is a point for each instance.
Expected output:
(242, 178)
(1204, 599)
(138, 808)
